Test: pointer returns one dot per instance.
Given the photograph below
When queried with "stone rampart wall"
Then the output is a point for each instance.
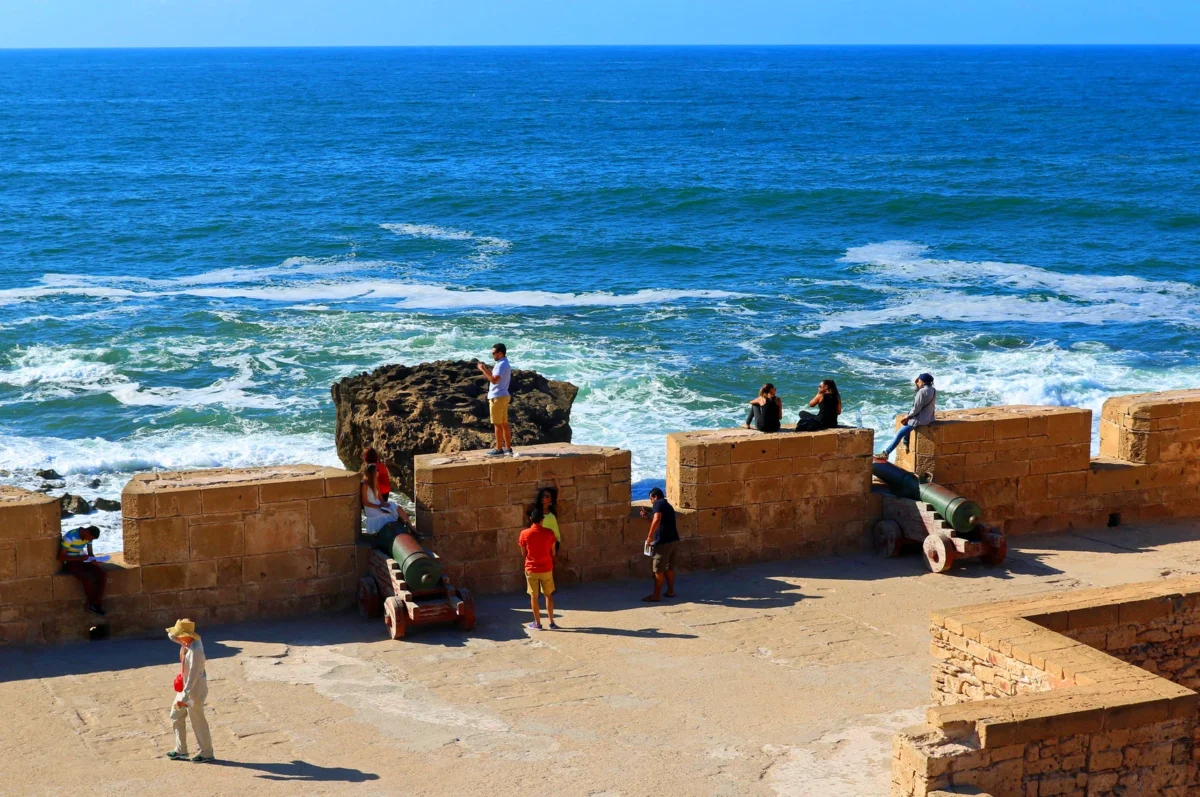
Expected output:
(1064, 715)
(214, 545)
(1030, 470)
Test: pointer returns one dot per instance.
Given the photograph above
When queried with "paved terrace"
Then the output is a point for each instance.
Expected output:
(781, 678)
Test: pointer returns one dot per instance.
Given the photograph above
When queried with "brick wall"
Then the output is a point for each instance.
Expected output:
(772, 496)
(215, 545)
(1066, 716)
(475, 506)
(1029, 467)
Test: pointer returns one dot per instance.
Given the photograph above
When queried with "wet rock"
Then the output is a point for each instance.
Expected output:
(4, 474)
(106, 505)
(49, 474)
(438, 408)
(94, 483)
(74, 505)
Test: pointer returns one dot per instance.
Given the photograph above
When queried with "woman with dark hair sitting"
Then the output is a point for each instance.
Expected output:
(766, 411)
(547, 501)
(829, 404)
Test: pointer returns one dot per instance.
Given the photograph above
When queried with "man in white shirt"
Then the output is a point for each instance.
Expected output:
(498, 397)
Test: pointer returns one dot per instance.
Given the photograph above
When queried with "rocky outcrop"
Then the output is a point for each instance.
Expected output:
(440, 407)
(74, 505)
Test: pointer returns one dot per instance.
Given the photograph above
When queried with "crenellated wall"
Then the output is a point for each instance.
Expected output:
(215, 545)
(1030, 470)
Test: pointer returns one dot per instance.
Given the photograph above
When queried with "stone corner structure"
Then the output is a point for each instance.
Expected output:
(1085, 692)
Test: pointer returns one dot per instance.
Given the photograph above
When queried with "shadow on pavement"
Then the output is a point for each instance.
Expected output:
(301, 771)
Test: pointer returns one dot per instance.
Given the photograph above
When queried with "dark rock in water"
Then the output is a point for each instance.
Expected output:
(50, 475)
(4, 474)
(94, 483)
(106, 504)
(438, 408)
(74, 505)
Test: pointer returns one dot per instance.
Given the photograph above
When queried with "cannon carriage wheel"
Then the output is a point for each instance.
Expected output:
(466, 620)
(938, 555)
(995, 555)
(370, 602)
(887, 538)
(395, 617)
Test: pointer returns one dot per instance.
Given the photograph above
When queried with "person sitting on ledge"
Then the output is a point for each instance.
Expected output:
(829, 406)
(74, 551)
(766, 410)
(547, 501)
(923, 411)
(379, 513)
(384, 489)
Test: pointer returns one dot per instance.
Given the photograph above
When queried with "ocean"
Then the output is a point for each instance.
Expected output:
(194, 244)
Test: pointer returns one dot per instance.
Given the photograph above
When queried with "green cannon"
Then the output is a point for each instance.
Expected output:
(961, 513)
(421, 571)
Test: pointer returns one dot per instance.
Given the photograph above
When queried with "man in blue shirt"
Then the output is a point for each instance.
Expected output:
(498, 397)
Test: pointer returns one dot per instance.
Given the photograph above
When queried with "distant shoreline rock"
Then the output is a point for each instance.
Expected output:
(438, 408)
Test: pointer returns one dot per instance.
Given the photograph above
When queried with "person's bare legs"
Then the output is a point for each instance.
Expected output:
(504, 432)
(670, 584)
(550, 608)
(658, 584)
(537, 613)
(499, 430)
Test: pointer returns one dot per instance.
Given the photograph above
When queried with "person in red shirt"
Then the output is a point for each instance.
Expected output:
(537, 543)
(383, 486)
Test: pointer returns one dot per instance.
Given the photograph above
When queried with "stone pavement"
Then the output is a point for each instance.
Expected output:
(784, 678)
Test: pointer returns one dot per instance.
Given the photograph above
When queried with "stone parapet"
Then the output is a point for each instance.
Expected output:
(1029, 467)
(1086, 692)
(474, 506)
(216, 546)
(774, 496)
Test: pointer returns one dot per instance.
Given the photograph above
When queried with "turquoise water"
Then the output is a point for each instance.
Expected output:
(195, 244)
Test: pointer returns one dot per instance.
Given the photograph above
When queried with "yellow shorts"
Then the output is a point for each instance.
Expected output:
(498, 410)
(539, 581)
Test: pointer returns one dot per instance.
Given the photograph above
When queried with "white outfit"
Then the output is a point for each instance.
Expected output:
(378, 518)
(195, 692)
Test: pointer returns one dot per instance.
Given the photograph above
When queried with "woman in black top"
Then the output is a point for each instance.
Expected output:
(829, 404)
(766, 411)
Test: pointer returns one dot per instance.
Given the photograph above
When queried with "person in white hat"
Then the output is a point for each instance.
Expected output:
(191, 690)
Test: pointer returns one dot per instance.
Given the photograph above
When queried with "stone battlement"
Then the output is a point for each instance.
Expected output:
(217, 545)
(1079, 692)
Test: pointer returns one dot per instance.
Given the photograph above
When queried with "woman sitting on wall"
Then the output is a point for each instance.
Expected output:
(766, 411)
(547, 501)
(378, 512)
(384, 479)
(829, 404)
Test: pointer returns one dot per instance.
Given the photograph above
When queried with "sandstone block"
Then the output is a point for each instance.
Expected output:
(286, 566)
(297, 489)
(236, 498)
(23, 591)
(280, 526)
(177, 502)
(334, 521)
(156, 541)
(341, 482)
(216, 540)
(35, 557)
(336, 561)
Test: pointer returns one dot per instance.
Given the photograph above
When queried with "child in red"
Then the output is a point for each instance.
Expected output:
(537, 543)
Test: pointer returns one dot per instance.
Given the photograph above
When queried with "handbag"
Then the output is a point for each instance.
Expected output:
(179, 682)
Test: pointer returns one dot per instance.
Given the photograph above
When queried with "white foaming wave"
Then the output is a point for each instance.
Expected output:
(229, 392)
(909, 260)
(432, 231)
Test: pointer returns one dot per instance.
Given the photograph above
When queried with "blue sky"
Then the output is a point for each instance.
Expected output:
(199, 23)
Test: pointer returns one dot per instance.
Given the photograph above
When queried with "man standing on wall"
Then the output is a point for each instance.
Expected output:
(923, 412)
(74, 551)
(498, 397)
(663, 538)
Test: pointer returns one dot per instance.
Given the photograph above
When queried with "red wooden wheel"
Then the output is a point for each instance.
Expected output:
(996, 554)
(395, 617)
(466, 618)
(370, 603)
(938, 555)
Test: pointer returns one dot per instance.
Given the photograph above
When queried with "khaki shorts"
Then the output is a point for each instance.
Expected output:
(539, 581)
(498, 410)
(664, 557)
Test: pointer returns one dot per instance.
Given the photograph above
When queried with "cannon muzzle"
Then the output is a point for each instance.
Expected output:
(421, 571)
(961, 513)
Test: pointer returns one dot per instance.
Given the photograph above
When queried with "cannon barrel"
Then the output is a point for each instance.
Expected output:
(421, 571)
(961, 513)
(903, 483)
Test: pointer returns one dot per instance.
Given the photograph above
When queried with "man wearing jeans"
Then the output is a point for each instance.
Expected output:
(498, 397)
(924, 408)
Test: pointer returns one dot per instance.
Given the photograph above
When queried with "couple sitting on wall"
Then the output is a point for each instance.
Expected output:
(375, 489)
(766, 411)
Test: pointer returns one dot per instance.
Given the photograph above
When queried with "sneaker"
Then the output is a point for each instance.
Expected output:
(201, 758)
(881, 457)
(495, 452)
(510, 452)
(534, 626)
(174, 756)
(96, 610)
(554, 626)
